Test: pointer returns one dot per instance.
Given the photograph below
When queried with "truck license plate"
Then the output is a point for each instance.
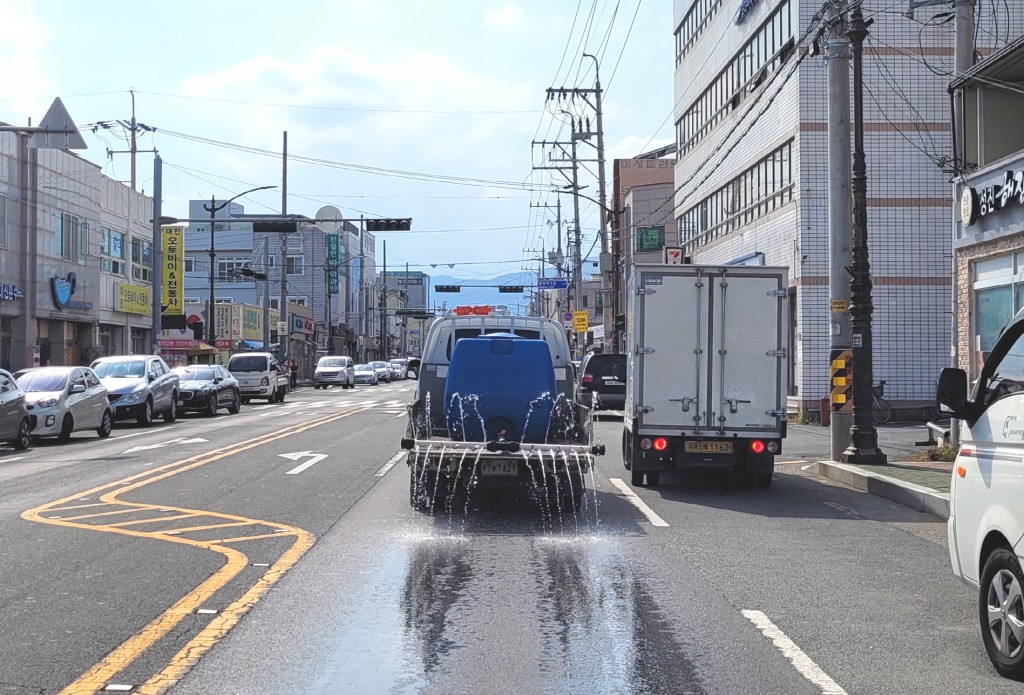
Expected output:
(708, 447)
(510, 468)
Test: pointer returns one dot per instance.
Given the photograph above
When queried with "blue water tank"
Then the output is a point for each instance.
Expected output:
(499, 383)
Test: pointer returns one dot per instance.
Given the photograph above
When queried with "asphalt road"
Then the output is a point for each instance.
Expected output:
(247, 564)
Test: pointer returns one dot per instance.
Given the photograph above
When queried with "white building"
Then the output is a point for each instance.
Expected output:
(751, 178)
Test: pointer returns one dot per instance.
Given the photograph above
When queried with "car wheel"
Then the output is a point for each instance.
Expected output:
(146, 419)
(211, 405)
(1001, 611)
(67, 426)
(24, 437)
(106, 424)
(281, 395)
(653, 478)
(637, 478)
(171, 414)
(235, 406)
(627, 450)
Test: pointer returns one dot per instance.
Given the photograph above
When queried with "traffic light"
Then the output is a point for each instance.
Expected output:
(511, 289)
(388, 224)
(447, 288)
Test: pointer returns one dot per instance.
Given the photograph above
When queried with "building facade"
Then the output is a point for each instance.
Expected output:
(751, 178)
(989, 211)
(76, 260)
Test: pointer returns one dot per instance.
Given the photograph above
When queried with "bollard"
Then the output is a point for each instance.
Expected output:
(825, 408)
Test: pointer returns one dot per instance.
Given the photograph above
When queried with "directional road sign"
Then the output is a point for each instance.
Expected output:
(552, 283)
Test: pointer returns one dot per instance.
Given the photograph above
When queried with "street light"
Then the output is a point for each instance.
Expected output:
(213, 208)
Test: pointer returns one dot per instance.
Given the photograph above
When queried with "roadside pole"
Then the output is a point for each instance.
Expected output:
(840, 215)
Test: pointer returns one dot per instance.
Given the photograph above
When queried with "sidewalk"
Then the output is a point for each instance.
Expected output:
(922, 485)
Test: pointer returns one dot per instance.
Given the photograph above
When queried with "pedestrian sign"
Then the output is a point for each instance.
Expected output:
(581, 321)
(567, 316)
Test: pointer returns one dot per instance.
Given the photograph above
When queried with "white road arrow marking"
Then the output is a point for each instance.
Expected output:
(298, 456)
(169, 442)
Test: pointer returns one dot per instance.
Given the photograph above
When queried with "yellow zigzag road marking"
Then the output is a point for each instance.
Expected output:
(96, 678)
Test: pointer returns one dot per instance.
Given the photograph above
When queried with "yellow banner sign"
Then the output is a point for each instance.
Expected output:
(173, 295)
(133, 299)
(581, 321)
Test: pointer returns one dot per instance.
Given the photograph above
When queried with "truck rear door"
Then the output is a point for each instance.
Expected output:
(670, 360)
(747, 345)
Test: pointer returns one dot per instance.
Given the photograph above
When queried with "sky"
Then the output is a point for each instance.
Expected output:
(380, 98)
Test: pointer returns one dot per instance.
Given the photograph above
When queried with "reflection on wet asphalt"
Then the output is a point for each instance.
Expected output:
(491, 599)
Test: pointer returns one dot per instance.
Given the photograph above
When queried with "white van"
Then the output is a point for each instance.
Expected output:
(259, 376)
(986, 496)
(334, 370)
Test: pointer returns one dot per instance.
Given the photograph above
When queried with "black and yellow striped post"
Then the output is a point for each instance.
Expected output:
(841, 369)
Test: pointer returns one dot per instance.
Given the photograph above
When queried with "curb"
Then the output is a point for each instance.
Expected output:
(909, 494)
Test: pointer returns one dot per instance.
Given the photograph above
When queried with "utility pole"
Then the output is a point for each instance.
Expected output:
(284, 337)
(963, 59)
(608, 268)
(133, 127)
(384, 304)
(837, 60)
(158, 267)
(863, 448)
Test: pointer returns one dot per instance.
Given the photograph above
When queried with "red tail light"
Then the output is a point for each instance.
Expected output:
(660, 444)
(757, 446)
(588, 378)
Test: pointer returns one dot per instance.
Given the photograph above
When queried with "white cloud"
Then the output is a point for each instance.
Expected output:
(25, 86)
(508, 18)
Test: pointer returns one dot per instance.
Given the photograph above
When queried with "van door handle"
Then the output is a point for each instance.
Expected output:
(686, 401)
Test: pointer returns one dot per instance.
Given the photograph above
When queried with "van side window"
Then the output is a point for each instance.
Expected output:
(1008, 377)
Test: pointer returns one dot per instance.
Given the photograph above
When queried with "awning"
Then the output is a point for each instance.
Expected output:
(255, 345)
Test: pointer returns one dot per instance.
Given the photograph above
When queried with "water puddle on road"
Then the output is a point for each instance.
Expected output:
(494, 608)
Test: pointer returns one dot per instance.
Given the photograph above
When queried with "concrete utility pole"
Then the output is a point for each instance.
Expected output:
(158, 266)
(133, 127)
(863, 448)
(284, 338)
(608, 268)
(963, 60)
(384, 305)
(837, 60)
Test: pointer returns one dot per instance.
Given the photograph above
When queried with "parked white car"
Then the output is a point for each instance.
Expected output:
(62, 400)
(140, 387)
(15, 423)
(986, 496)
(382, 370)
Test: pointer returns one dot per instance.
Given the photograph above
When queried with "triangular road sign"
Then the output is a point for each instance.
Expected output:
(57, 127)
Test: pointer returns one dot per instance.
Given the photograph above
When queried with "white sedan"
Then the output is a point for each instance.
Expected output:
(62, 400)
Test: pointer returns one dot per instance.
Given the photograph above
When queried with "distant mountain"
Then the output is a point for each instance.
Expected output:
(516, 303)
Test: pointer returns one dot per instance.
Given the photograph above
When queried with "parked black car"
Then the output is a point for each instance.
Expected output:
(603, 378)
(207, 388)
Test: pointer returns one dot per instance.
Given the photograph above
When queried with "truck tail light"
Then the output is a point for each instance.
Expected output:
(660, 444)
(645, 443)
(757, 446)
(773, 447)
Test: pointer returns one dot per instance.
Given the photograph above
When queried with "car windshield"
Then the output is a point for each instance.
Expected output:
(248, 363)
(121, 369)
(364, 368)
(380, 365)
(332, 362)
(195, 373)
(42, 381)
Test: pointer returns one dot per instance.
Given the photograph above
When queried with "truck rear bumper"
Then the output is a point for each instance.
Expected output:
(735, 454)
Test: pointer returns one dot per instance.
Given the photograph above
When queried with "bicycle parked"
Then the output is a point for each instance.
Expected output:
(881, 411)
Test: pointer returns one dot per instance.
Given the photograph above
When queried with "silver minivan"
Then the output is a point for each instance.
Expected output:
(335, 370)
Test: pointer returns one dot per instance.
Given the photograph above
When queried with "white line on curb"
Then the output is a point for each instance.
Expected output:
(15, 458)
(638, 503)
(389, 465)
(801, 662)
(136, 434)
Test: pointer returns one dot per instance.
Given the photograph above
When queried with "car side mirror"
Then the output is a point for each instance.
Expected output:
(77, 388)
(951, 392)
(217, 380)
(152, 376)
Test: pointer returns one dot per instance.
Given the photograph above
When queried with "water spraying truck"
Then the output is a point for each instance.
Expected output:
(498, 415)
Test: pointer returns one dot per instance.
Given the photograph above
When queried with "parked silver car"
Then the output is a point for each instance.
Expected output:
(140, 387)
(62, 400)
(15, 423)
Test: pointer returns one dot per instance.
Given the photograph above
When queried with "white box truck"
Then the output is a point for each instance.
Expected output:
(706, 370)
